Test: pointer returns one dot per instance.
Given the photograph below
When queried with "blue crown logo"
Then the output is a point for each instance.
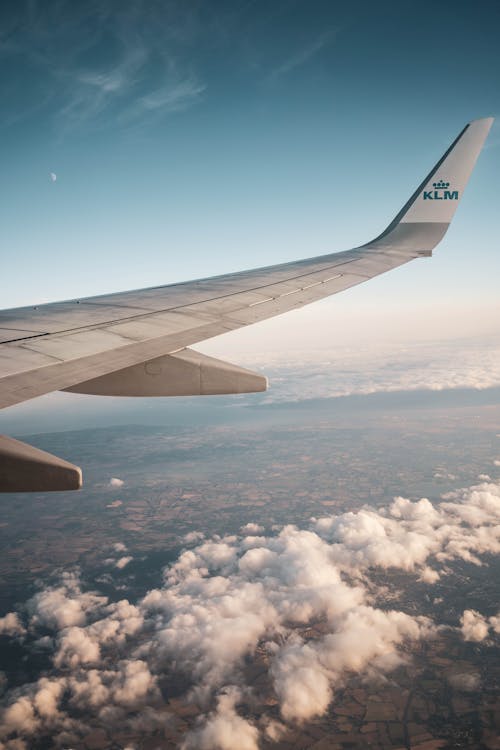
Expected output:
(440, 192)
(441, 185)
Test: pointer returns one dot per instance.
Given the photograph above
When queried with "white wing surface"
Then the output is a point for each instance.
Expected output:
(135, 343)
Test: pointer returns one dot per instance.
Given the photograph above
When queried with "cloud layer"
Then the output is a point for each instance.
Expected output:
(228, 600)
(414, 368)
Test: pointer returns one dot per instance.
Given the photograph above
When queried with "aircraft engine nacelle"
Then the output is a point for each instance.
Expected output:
(185, 373)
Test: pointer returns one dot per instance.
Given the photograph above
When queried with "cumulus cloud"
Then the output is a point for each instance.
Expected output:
(76, 647)
(132, 684)
(11, 625)
(252, 528)
(118, 559)
(224, 728)
(226, 600)
(495, 623)
(476, 627)
(20, 717)
(193, 537)
(429, 575)
(63, 606)
(408, 534)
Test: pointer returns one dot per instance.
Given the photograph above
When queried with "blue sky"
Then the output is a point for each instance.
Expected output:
(190, 139)
(195, 138)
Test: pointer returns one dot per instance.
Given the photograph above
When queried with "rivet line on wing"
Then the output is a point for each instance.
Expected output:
(295, 291)
(261, 301)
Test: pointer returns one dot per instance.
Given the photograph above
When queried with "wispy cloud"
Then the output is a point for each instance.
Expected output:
(302, 55)
(173, 98)
(103, 64)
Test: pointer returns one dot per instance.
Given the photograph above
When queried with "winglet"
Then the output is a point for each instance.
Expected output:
(428, 213)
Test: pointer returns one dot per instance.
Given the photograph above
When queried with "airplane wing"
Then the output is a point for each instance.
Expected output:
(136, 343)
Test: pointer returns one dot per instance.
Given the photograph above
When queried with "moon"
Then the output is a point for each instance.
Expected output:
(53, 176)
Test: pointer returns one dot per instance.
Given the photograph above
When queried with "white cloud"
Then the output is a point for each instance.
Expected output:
(193, 537)
(224, 729)
(272, 729)
(429, 575)
(495, 623)
(63, 606)
(173, 97)
(303, 55)
(19, 717)
(11, 625)
(116, 482)
(135, 682)
(297, 374)
(476, 627)
(252, 528)
(123, 562)
(302, 683)
(76, 647)
(229, 599)
(407, 534)
(47, 697)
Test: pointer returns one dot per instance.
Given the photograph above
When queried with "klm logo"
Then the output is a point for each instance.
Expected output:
(440, 192)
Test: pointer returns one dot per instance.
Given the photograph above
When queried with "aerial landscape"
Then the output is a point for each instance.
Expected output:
(312, 566)
(253, 582)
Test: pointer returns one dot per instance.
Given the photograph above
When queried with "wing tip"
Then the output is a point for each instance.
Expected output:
(487, 122)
